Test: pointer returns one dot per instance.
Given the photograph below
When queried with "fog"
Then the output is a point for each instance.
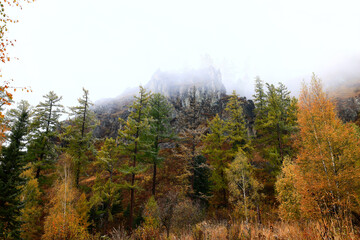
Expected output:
(110, 46)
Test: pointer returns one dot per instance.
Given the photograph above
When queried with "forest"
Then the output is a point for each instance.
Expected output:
(293, 175)
(288, 168)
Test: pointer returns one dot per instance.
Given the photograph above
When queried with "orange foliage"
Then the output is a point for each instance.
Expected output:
(5, 95)
(64, 222)
(329, 157)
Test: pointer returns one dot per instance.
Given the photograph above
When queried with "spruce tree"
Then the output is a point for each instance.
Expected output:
(11, 166)
(135, 143)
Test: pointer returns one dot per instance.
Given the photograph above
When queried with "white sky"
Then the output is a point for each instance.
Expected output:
(110, 45)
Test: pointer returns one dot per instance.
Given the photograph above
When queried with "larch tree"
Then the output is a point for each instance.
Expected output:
(260, 101)
(32, 211)
(275, 122)
(235, 125)
(286, 192)
(106, 197)
(160, 111)
(219, 155)
(135, 142)
(79, 134)
(44, 132)
(328, 162)
(12, 164)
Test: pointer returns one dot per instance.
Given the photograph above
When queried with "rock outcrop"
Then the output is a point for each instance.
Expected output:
(204, 85)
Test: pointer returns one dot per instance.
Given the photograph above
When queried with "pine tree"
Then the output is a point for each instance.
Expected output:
(79, 134)
(11, 182)
(160, 111)
(134, 143)
(44, 132)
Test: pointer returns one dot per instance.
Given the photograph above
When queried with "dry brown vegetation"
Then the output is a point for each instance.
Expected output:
(239, 230)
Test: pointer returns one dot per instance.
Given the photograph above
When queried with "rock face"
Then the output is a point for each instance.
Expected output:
(178, 85)
(348, 108)
(205, 85)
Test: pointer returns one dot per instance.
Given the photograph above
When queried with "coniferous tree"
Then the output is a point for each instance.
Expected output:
(44, 132)
(191, 118)
(79, 133)
(219, 156)
(235, 125)
(11, 182)
(275, 122)
(160, 111)
(135, 143)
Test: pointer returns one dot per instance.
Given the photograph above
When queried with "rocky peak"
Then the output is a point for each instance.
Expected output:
(206, 82)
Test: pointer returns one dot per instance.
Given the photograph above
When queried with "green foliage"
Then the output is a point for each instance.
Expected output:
(108, 157)
(79, 134)
(161, 131)
(105, 202)
(202, 177)
(275, 122)
(243, 187)
(11, 182)
(235, 125)
(44, 133)
(219, 154)
(135, 143)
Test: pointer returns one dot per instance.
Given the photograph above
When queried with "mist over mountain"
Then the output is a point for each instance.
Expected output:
(204, 84)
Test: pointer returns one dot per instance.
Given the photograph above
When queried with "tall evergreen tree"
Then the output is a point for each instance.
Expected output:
(11, 166)
(80, 133)
(160, 111)
(44, 132)
(134, 143)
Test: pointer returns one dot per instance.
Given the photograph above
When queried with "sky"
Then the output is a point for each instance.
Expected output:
(110, 45)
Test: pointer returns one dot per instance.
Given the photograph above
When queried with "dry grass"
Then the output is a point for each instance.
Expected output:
(233, 231)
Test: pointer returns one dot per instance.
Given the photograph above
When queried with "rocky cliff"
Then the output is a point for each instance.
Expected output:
(205, 85)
